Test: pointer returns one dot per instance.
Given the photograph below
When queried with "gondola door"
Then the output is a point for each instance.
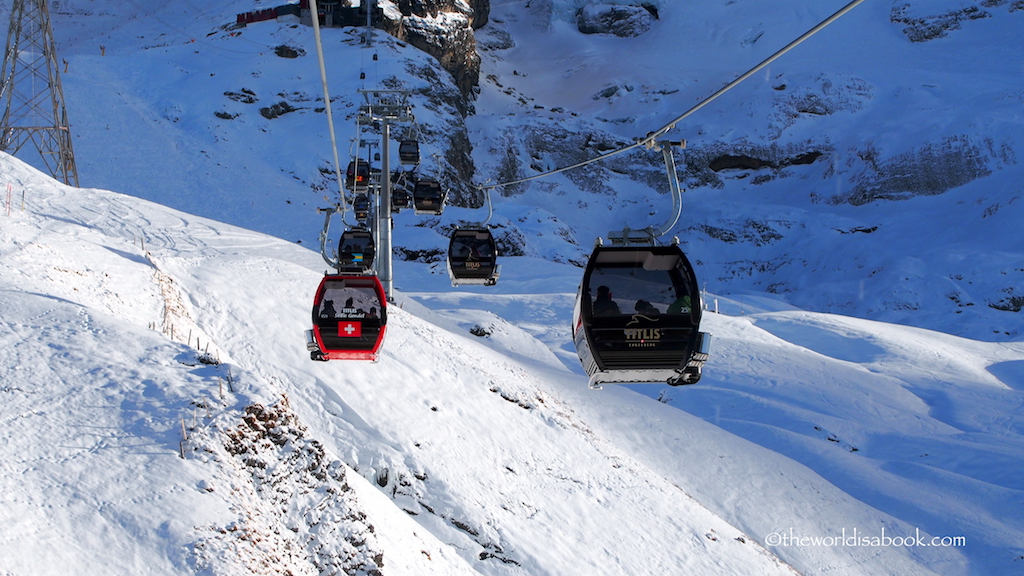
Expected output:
(637, 317)
(349, 318)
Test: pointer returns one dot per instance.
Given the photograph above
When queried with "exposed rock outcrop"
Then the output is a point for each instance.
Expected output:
(923, 21)
(623, 21)
(443, 29)
(928, 170)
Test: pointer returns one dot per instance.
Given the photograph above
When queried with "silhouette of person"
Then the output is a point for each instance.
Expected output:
(646, 308)
(328, 310)
(603, 304)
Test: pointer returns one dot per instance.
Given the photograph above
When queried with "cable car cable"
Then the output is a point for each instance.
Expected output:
(327, 99)
(653, 135)
(648, 141)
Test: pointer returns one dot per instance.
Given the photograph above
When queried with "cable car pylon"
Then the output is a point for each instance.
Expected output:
(349, 312)
(387, 107)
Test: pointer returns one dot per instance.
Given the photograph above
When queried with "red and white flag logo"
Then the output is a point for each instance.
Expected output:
(350, 328)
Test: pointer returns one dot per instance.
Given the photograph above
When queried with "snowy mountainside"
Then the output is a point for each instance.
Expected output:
(908, 215)
(893, 127)
(99, 433)
(800, 180)
(447, 456)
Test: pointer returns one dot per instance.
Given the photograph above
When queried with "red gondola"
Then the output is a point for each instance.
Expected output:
(349, 319)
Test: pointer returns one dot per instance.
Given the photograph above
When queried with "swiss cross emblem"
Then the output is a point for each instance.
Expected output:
(350, 328)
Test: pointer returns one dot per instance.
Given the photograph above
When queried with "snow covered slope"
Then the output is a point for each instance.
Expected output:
(872, 171)
(483, 461)
(498, 458)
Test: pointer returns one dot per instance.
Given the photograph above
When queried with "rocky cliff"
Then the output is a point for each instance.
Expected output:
(443, 29)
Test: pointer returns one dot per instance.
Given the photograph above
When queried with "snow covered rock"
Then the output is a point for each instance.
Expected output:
(443, 29)
(622, 21)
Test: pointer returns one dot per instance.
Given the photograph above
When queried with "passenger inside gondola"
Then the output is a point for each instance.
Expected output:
(648, 292)
(681, 305)
(328, 310)
(466, 254)
(646, 308)
(357, 301)
(603, 304)
(473, 249)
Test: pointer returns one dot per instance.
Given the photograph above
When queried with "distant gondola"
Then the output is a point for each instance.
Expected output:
(428, 197)
(356, 250)
(637, 317)
(400, 199)
(357, 176)
(472, 257)
(409, 152)
(349, 318)
(361, 206)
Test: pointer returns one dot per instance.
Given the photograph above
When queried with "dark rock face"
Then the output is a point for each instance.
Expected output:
(927, 171)
(617, 20)
(455, 169)
(479, 10)
(708, 165)
(276, 110)
(444, 29)
(925, 28)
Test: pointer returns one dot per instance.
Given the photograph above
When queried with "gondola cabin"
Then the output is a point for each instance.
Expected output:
(472, 257)
(637, 317)
(356, 250)
(428, 197)
(349, 318)
(400, 199)
(361, 206)
(409, 152)
(357, 176)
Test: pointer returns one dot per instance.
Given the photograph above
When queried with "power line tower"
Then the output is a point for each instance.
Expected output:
(31, 96)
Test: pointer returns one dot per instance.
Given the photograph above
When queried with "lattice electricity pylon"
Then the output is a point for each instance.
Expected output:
(31, 96)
